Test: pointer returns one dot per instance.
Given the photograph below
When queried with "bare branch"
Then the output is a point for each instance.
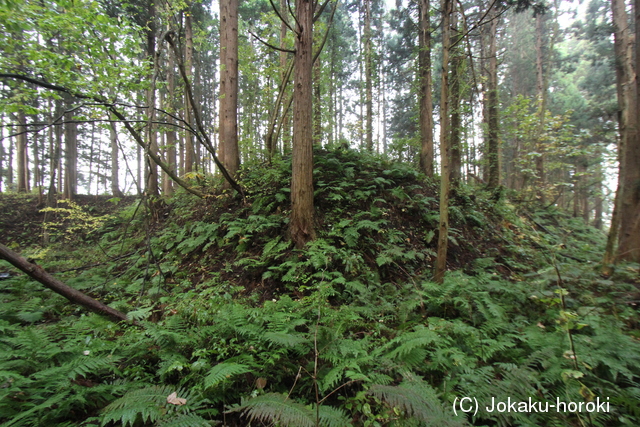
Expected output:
(112, 108)
(315, 18)
(270, 45)
(284, 21)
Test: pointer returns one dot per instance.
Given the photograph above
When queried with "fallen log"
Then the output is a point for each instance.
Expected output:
(75, 296)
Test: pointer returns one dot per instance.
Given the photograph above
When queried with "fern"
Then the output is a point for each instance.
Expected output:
(332, 417)
(185, 420)
(276, 408)
(223, 371)
(146, 405)
(417, 400)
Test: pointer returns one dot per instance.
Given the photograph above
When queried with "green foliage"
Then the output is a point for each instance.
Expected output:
(161, 405)
(349, 331)
(72, 222)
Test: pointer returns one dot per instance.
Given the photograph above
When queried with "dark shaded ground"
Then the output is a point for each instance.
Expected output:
(21, 216)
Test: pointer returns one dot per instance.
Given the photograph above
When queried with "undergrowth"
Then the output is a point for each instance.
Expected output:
(238, 328)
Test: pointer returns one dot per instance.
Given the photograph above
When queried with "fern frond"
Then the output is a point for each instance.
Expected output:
(412, 403)
(148, 404)
(418, 400)
(82, 366)
(408, 342)
(222, 371)
(285, 339)
(186, 420)
(332, 417)
(276, 408)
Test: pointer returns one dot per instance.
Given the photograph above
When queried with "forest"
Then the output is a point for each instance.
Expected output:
(319, 213)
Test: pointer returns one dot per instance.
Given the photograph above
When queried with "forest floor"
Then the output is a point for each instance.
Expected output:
(22, 215)
(237, 326)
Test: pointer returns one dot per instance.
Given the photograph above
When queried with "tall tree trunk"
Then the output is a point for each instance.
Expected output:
(10, 171)
(445, 149)
(188, 66)
(542, 107)
(229, 152)
(317, 105)
(492, 107)
(286, 134)
(70, 155)
(629, 177)
(167, 183)
(21, 152)
(115, 164)
(152, 135)
(455, 161)
(426, 103)
(368, 76)
(599, 197)
(2, 153)
(301, 227)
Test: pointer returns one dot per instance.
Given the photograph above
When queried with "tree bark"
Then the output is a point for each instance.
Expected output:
(455, 160)
(70, 155)
(229, 152)
(21, 152)
(542, 107)
(629, 176)
(445, 150)
(317, 107)
(152, 135)
(115, 164)
(301, 227)
(426, 102)
(492, 108)
(38, 273)
(189, 158)
(170, 149)
(368, 76)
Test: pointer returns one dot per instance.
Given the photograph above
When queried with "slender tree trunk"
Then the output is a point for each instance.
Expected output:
(368, 76)
(492, 107)
(21, 152)
(301, 227)
(542, 107)
(317, 105)
(229, 153)
(70, 156)
(171, 133)
(188, 65)
(599, 199)
(445, 149)
(10, 178)
(92, 156)
(2, 153)
(426, 103)
(152, 135)
(286, 135)
(455, 160)
(115, 164)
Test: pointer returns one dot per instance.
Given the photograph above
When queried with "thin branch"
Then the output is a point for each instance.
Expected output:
(112, 108)
(281, 92)
(270, 45)
(294, 18)
(476, 25)
(315, 18)
(284, 21)
(326, 34)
